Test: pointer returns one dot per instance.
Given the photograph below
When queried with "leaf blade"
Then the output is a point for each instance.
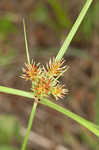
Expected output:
(92, 127)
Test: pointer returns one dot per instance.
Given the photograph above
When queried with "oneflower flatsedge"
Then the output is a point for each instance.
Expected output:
(45, 80)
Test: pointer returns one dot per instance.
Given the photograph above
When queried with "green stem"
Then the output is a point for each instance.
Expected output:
(91, 126)
(16, 92)
(35, 102)
(26, 43)
(29, 125)
(73, 30)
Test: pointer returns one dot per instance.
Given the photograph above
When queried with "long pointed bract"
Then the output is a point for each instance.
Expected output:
(73, 30)
(92, 127)
(26, 43)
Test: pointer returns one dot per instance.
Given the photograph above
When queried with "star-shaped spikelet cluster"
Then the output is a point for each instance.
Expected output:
(45, 79)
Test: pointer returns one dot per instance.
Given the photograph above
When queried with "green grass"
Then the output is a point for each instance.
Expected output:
(29, 125)
(92, 127)
(73, 31)
(26, 43)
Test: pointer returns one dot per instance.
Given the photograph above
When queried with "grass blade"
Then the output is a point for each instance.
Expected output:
(73, 30)
(26, 43)
(16, 92)
(92, 127)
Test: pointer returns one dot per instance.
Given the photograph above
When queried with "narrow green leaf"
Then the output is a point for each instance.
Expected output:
(26, 43)
(73, 30)
(16, 92)
(92, 127)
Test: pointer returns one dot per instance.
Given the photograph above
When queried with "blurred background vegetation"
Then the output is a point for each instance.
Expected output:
(48, 23)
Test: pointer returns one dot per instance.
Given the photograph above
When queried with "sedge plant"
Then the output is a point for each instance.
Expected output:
(44, 81)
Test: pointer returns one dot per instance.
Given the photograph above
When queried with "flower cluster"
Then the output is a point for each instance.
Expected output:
(45, 79)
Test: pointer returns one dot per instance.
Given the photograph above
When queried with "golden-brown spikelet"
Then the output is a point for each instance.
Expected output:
(55, 68)
(31, 71)
(58, 91)
(42, 87)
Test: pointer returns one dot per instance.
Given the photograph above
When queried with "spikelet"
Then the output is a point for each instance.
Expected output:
(42, 87)
(55, 68)
(31, 71)
(58, 91)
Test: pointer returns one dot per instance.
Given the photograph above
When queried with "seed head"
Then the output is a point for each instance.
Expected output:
(59, 91)
(42, 87)
(55, 68)
(31, 71)
(45, 80)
